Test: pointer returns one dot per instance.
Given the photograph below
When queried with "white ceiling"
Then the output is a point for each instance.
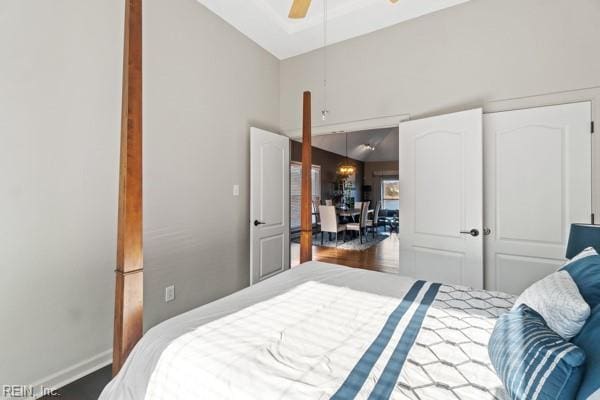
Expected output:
(266, 21)
(385, 142)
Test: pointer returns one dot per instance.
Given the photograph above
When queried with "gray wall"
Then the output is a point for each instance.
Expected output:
(497, 54)
(60, 91)
(205, 84)
(463, 56)
(60, 94)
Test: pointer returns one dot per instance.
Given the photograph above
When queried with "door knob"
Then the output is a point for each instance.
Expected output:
(473, 232)
(257, 222)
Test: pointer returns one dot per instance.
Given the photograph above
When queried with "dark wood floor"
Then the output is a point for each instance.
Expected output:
(87, 388)
(381, 257)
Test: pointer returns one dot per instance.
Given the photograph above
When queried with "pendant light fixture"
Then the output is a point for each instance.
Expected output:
(324, 111)
(346, 168)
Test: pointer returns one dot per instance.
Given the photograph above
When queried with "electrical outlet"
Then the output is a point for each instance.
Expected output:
(236, 190)
(169, 293)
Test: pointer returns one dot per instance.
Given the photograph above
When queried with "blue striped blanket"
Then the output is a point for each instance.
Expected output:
(323, 341)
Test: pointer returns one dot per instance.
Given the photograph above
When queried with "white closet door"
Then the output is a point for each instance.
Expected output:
(269, 204)
(537, 182)
(441, 198)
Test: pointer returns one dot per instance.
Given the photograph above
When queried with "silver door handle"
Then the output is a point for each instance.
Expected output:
(487, 231)
(473, 232)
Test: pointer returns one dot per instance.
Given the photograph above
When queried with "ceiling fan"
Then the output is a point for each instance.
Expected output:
(300, 8)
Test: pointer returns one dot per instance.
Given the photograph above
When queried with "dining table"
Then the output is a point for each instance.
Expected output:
(347, 212)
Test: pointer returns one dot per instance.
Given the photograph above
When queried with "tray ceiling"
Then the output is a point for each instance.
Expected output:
(267, 24)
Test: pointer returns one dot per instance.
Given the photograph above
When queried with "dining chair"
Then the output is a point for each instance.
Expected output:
(315, 211)
(362, 222)
(382, 218)
(329, 223)
(373, 223)
(357, 206)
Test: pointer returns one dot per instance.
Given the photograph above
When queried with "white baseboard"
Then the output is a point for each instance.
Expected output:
(74, 372)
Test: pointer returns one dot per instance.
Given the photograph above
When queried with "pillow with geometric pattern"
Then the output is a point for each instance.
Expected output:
(557, 299)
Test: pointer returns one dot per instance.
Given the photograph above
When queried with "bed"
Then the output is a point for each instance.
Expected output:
(322, 331)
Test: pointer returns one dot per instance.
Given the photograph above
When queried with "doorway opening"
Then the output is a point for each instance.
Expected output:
(341, 234)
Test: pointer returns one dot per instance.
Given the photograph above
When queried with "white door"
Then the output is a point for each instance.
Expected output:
(269, 204)
(537, 182)
(441, 198)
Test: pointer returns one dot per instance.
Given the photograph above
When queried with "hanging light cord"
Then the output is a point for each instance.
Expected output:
(324, 111)
(346, 148)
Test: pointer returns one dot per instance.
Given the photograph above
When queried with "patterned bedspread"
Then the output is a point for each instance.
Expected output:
(322, 331)
(319, 341)
(449, 359)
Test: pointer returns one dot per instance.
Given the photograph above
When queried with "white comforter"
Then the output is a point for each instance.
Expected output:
(319, 331)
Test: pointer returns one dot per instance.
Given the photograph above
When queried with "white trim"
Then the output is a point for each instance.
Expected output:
(74, 372)
(351, 126)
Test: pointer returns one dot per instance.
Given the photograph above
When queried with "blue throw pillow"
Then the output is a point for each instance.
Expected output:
(586, 274)
(589, 341)
(532, 361)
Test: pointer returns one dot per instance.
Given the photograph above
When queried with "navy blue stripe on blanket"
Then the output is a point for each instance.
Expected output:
(385, 385)
(361, 370)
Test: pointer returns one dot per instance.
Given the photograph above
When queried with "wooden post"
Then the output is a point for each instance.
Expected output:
(306, 193)
(129, 273)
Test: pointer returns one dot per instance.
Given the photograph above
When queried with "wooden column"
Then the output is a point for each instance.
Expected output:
(129, 272)
(306, 196)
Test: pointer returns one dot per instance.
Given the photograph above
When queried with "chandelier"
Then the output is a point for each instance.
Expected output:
(346, 168)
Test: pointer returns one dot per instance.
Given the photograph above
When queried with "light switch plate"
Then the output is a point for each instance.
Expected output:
(169, 293)
(236, 190)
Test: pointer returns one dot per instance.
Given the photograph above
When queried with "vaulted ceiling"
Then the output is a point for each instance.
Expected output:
(384, 141)
(266, 21)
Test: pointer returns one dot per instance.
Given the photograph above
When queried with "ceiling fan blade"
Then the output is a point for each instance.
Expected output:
(299, 9)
